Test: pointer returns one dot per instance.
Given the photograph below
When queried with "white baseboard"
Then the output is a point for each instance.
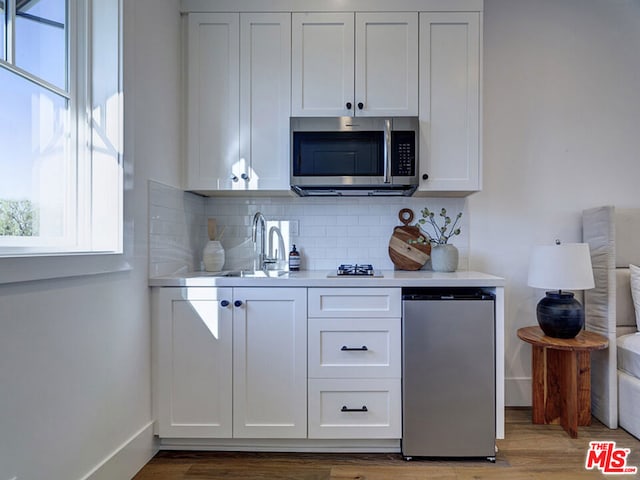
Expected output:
(283, 445)
(128, 459)
(518, 392)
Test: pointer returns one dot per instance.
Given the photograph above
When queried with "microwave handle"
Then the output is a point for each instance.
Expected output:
(387, 150)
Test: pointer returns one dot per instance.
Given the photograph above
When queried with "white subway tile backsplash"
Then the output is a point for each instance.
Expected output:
(343, 241)
(330, 230)
(313, 231)
(177, 229)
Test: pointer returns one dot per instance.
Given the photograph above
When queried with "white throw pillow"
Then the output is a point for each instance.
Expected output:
(635, 291)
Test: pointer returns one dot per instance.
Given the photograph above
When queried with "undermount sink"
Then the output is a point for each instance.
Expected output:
(250, 273)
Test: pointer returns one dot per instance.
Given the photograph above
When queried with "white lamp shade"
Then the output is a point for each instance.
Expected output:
(561, 267)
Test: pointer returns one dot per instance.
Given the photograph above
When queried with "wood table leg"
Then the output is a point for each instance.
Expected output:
(569, 390)
(584, 388)
(554, 396)
(538, 390)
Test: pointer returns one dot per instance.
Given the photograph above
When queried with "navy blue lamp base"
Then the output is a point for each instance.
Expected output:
(560, 315)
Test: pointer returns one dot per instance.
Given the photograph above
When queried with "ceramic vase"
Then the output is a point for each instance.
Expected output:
(444, 257)
(213, 256)
(560, 315)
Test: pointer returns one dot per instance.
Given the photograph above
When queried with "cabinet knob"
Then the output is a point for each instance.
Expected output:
(349, 105)
(238, 303)
(425, 176)
(224, 303)
(244, 176)
(233, 177)
(360, 105)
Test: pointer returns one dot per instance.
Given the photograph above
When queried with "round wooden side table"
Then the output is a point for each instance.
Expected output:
(561, 377)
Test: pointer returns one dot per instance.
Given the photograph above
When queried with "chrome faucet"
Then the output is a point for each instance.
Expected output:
(276, 256)
(262, 260)
(259, 222)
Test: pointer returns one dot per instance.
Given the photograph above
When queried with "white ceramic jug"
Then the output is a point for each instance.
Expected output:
(213, 256)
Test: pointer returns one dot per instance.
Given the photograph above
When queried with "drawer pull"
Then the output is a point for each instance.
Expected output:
(354, 349)
(363, 409)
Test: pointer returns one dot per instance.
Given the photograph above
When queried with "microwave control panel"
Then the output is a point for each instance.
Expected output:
(403, 153)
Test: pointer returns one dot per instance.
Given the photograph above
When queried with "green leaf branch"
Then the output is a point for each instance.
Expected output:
(434, 233)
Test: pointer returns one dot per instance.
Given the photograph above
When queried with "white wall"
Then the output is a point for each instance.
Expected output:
(75, 353)
(561, 134)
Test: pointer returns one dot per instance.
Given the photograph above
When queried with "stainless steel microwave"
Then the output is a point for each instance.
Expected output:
(354, 156)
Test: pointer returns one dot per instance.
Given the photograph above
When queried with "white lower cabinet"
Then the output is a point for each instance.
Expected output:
(193, 374)
(355, 302)
(269, 363)
(355, 408)
(256, 363)
(230, 362)
(354, 362)
(354, 347)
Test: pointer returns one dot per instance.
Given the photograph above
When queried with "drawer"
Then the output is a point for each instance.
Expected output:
(355, 302)
(354, 347)
(348, 408)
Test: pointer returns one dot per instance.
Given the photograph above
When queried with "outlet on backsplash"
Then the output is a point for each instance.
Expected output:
(294, 228)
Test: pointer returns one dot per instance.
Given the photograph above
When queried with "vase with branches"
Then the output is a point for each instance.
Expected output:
(444, 256)
(434, 233)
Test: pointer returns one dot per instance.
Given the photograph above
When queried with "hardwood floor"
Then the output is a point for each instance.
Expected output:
(527, 452)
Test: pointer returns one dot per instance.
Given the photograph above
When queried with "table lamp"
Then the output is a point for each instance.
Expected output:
(558, 268)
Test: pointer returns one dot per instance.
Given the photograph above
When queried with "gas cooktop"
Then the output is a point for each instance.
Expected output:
(355, 270)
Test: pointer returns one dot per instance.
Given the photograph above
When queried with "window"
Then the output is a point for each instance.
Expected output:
(60, 127)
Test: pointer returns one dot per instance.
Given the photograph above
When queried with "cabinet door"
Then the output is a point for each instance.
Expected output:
(355, 302)
(265, 93)
(355, 408)
(270, 363)
(193, 380)
(450, 102)
(354, 347)
(322, 64)
(386, 80)
(213, 82)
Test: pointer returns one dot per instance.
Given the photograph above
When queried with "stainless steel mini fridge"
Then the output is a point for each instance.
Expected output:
(448, 377)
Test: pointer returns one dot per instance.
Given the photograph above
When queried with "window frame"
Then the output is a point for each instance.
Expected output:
(97, 139)
(82, 203)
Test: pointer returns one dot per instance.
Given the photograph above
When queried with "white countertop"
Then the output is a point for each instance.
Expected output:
(318, 278)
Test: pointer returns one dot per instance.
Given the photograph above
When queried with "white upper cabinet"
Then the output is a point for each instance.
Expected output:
(247, 73)
(362, 64)
(213, 108)
(322, 64)
(238, 91)
(386, 64)
(450, 147)
(265, 100)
